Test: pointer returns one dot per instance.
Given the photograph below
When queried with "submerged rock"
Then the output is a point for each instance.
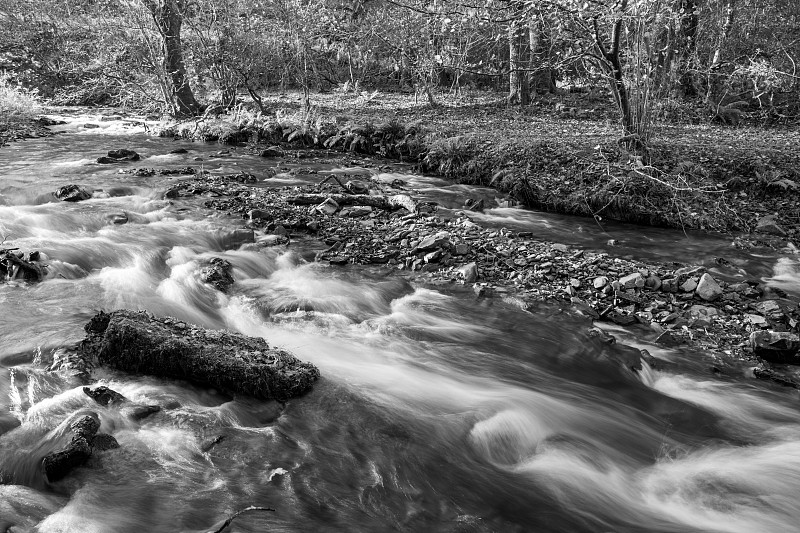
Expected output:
(142, 343)
(72, 193)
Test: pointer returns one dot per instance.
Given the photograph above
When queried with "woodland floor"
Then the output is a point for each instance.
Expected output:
(562, 154)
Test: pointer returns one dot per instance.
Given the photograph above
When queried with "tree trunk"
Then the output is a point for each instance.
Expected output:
(612, 64)
(518, 88)
(168, 16)
(687, 48)
(714, 77)
(727, 26)
(539, 46)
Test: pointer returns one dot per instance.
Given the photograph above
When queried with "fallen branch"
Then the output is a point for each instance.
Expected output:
(218, 528)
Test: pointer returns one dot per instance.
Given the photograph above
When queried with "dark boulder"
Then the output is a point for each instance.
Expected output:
(104, 396)
(18, 265)
(776, 346)
(118, 156)
(47, 121)
(79, 449)
(142, 343)
(217, 273)
(72, 193)
(109, 397)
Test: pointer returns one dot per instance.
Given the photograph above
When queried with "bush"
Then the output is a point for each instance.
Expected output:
(17, 104)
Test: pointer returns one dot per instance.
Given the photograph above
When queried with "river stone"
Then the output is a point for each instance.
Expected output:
(355, 211)
(237, 237)
(433, 242)
(776, 346)
(632, 281)
(57, 465)
(756, 320)
(328, 207)
(217, 273)
(118, 156)
(703, 310)
(104, 396)
(769, 224)
(689, 285)
(689, 271)
(357, 187)
(259, 214)
(16, 265)
(272, 151)
(72, 193)
(652, 282)
(669, 285)
(600, 282)
(771, 309)
(776, 377)
(708, 289)
(138, 342)
(469, 272)
(433, 257)
(462, 249)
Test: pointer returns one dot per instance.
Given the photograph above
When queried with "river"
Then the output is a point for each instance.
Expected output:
(436, 411)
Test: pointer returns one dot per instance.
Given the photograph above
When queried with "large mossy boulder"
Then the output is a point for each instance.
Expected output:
(137, 341)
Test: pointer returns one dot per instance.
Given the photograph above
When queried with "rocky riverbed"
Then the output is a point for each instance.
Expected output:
(379, 222)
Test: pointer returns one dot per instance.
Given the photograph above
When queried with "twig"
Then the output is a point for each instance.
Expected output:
(227, 522)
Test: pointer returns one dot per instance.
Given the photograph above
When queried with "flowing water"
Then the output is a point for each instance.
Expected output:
(436, 411)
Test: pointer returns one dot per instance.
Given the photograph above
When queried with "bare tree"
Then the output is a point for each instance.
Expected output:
(168, 17)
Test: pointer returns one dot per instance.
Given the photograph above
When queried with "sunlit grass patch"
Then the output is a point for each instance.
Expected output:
(17, 104)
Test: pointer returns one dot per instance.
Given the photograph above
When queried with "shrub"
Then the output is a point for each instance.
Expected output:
(17, 104)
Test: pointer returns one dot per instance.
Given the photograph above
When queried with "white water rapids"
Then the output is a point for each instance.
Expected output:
(436, 411)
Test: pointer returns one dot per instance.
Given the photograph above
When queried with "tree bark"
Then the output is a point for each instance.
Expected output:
(613, 65)
(168, 16)
(687, 47)
(518, 87)
(539, 48)
(727, 26)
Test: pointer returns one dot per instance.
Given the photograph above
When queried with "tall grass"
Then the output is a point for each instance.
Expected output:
(17, 104)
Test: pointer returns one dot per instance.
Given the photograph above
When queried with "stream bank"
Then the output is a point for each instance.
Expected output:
(551, 156)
